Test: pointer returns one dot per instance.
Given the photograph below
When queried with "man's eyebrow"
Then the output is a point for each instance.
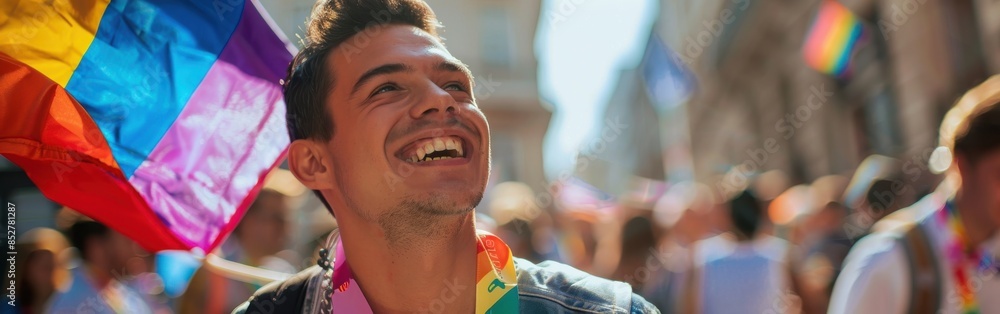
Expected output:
(452, 66)
(380, 70)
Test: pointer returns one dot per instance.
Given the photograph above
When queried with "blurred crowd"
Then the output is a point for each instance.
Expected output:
(695, 249)
(86, 267)
(690, 248)
(762, 242)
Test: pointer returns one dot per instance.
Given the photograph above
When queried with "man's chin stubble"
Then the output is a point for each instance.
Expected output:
(425, 219)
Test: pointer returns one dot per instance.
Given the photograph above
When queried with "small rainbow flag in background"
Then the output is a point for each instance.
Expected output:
(159, 118)
(832, 38)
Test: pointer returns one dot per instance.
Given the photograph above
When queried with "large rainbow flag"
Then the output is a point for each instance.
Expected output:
(832, 38)
(158, 118)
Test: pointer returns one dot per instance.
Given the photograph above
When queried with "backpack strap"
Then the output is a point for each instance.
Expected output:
(925, 288)
(286, 296)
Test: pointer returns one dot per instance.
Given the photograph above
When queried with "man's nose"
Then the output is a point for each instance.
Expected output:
(434, 100)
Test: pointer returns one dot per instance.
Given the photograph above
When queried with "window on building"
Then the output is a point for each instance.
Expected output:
(495, 40)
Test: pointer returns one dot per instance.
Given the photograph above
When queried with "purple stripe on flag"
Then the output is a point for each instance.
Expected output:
(230, 133)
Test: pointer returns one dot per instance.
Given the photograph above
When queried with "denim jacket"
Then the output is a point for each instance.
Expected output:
(552, 287)
(547, 287)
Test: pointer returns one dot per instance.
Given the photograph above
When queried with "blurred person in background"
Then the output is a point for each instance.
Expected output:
(535, 240)
(943, 257)
(634, 240)
(819, 244)
(546, 239)
(41, 268)
(875, 191)
(96, 285)
(527, 229)
(792, 212)
(741, 270)
(35, 282)
(768, 187)
(519, 234)
(684, 211)
(683, 215)
(140, 275)
(638, 239)
(815, 260)
(580, 238)
(262, 233)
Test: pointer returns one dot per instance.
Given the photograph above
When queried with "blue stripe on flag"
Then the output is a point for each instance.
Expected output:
(147, 59)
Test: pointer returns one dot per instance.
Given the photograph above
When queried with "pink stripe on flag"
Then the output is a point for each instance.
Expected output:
(201, 176)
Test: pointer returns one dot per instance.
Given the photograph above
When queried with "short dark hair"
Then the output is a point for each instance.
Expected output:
(638, 235)
(972, 127)
(982, 134)
(747, 214)
(82, 231)
(331, 24)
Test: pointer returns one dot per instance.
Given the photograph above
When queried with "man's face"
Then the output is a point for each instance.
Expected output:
(981, 181)
(409, 138)
(110, 250)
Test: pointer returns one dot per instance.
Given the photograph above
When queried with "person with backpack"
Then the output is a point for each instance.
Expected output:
(939, 255)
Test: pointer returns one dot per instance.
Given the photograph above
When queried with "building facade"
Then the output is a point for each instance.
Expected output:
(759, 106)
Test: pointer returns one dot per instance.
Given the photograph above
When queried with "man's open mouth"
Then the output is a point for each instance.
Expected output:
(435, 148)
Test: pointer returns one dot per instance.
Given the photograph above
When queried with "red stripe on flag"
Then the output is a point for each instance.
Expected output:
(54, 140)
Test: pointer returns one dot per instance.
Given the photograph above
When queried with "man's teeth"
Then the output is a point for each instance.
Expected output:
(440, 144)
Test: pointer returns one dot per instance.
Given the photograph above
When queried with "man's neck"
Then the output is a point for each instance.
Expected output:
(979, 227)
(410, 276)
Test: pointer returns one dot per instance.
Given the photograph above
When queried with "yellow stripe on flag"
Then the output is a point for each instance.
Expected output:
(49, 37)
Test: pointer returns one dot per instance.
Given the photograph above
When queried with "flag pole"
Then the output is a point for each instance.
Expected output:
(241, 272)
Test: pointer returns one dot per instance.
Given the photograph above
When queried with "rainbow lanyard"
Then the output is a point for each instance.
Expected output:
(496, 287)
(959, 252)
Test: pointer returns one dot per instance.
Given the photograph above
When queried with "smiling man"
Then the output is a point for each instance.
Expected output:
(385, 128)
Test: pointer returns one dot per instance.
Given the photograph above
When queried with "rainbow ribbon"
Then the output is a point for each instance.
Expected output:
(496, 280)
(961, 254)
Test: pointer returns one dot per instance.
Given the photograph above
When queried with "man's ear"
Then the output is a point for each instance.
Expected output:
(307, 161)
